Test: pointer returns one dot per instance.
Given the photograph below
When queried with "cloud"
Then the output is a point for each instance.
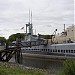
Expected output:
(15, 14)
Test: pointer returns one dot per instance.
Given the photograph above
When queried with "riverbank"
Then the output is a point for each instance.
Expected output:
(7, 68)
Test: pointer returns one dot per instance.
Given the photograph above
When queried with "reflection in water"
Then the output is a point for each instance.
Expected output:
(51, 65)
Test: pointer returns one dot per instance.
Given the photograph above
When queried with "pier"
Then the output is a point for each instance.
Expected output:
(7, 54)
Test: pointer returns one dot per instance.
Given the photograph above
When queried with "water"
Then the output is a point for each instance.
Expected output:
(47, 64)
(50, 65)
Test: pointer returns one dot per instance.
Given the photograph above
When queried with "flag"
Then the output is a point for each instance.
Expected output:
(22, 28)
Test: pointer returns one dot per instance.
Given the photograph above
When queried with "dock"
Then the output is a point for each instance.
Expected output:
(7, 54)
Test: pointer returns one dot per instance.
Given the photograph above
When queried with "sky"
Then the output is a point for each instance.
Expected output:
(47, 15)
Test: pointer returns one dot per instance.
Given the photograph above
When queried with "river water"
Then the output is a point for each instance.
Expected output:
(50, 65)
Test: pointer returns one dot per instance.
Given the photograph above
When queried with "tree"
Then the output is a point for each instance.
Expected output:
(17, 35)
(46, 36)
(3, 39)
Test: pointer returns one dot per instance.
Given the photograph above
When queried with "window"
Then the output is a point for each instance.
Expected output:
(66, 51)
(48, 49)
(61, 50)
(71, 51)
(58, 50)
(74, 51)
(42, 49)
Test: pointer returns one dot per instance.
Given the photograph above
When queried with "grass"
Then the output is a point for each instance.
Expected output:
(59, 73)
(15, 70)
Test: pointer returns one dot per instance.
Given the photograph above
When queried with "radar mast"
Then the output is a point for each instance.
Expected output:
(29, 25)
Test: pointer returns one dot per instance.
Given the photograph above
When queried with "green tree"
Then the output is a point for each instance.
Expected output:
(14, 36)
(3, 39)
(46, 36)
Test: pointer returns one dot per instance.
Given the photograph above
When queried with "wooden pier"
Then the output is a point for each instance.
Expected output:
(6, 55)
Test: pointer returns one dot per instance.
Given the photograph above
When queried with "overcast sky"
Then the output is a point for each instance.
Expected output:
(47, 15)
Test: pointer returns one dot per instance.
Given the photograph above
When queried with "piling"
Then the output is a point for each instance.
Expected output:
(18, 55)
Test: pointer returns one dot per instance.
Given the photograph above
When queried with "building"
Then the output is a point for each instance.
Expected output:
(67, 35)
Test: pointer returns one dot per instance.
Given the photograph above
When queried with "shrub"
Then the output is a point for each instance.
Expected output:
(69, 67)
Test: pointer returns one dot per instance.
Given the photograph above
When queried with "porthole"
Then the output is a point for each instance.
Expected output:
(44, 49)
(61, 50)
(66, 51)
(48, 49)
(74, 51)
(71, 51)
(53, 50)
(58, 50)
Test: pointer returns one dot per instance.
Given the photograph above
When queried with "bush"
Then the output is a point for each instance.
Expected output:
(69, 67)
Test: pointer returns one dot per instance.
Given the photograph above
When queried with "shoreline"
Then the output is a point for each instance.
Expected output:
(23, 67)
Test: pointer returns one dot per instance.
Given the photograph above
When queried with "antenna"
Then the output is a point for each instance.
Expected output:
(31, 24)
(29, 15)
(35, 31)
(64, 27)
